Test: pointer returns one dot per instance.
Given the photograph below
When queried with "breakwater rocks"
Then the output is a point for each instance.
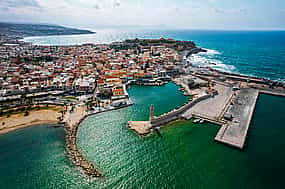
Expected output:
(195, 51)
(71, 126)
(77, 158)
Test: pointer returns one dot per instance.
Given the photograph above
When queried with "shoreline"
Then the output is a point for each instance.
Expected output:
(227, 73)
(187, 53)
(71, 125)
(36, 117)
(27, 125)
(24, 39)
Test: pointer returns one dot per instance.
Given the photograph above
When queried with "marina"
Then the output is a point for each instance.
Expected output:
(229, 104)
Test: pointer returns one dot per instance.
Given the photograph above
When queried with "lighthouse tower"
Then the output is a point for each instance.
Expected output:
(151, 112)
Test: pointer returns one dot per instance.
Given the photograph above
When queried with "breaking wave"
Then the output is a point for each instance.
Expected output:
(210, 59)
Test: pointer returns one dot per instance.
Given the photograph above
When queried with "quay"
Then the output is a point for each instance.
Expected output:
(239, 114)
(272, 93)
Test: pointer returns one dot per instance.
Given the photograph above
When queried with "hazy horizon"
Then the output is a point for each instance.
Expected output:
(179, 14)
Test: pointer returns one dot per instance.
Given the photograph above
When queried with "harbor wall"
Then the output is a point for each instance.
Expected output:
(71, 126)
(176, 113)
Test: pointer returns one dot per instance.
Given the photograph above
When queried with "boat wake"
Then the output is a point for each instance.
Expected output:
(210, 59)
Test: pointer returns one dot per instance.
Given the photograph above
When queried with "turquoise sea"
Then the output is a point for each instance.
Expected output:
(186, 155)
(256, 53)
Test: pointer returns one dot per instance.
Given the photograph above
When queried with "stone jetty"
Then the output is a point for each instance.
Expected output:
(72, 119)
(144, 127)
(141, 127)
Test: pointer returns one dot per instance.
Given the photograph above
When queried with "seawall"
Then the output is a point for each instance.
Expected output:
(176, 113)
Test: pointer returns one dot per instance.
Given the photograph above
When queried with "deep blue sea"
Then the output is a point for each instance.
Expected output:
(256, 53)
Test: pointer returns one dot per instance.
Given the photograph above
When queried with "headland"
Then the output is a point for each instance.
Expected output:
(11, 33)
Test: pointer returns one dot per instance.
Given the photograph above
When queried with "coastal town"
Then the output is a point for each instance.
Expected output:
(95, 74)
(69, 83)
(51, 84)
(142, 94)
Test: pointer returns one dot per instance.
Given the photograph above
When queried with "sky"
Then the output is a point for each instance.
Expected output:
(187, 14)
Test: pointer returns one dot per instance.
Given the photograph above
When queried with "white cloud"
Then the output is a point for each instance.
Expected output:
(17, 3)
(92, 13)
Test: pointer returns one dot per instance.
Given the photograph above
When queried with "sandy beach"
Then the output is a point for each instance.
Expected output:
(36, 117)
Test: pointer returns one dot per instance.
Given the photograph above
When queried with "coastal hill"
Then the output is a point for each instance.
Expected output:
(17, 30)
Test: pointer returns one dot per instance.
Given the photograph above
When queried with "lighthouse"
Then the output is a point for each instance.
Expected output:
(151, 112)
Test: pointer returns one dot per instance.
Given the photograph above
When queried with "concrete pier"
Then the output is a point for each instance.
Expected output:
(234, 132)
(141, 127)
(212, 108)
(274, 93)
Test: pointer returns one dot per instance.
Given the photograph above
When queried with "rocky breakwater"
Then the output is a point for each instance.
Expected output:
(73, 118)
(195, 50)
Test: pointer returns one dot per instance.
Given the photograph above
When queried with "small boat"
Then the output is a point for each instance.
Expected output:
(196, 120)
(201, 121)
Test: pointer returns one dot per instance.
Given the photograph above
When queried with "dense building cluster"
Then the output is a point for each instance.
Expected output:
(103, 69)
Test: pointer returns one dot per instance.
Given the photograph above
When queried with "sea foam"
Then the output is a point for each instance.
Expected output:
(210, 59)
